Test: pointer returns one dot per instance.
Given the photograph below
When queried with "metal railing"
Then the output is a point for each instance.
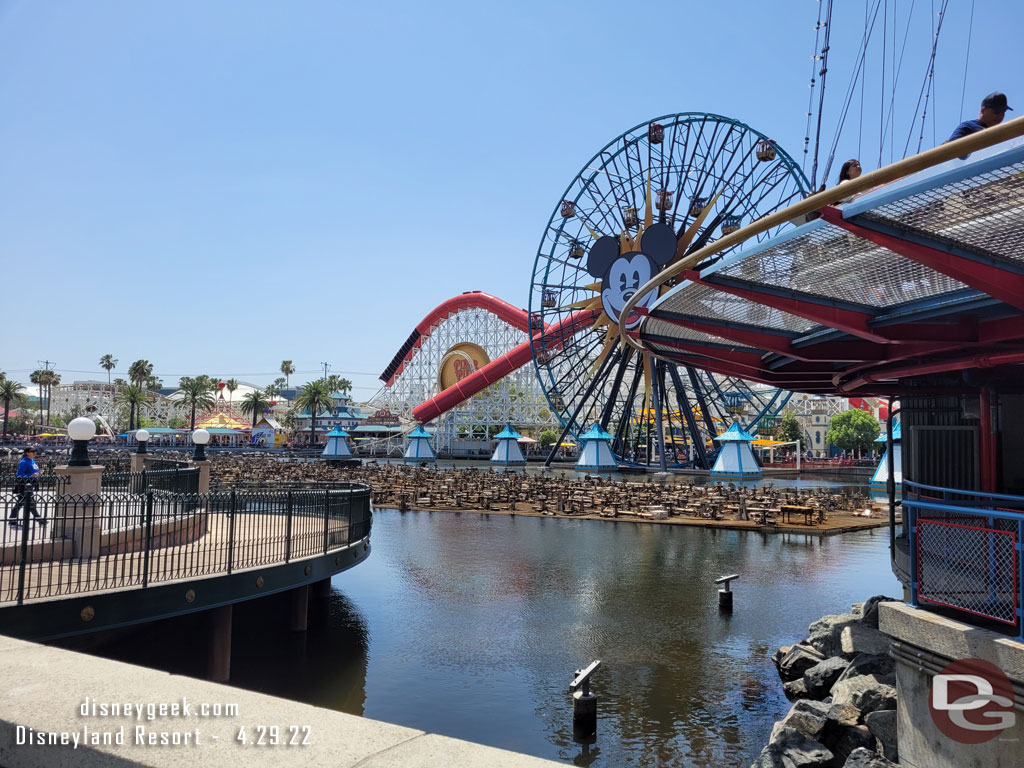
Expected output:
(965, 551)
(176, 480)
(63, 545)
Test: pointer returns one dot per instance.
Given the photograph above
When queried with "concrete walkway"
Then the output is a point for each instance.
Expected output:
(43, 690)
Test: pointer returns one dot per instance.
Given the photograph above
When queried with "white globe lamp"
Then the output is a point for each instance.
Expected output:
(81, 431)
(200, 438)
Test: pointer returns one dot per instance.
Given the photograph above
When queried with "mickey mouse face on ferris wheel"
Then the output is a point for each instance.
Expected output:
(623, 273)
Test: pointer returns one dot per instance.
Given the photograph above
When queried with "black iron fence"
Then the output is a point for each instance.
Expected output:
(62, 545)
(175, 480)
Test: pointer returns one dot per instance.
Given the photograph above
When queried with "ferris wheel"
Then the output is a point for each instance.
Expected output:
(658, 192)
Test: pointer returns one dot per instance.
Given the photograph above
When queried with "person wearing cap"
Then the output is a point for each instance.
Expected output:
(25, 485)
(993, 108)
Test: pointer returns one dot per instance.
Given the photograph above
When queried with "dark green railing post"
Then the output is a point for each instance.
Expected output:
(231, 533)
(29, 501)
(288, 531)
(149, 539)
(327, 512)
(145, 482)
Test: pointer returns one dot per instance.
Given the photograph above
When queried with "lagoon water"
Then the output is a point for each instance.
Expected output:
(472, 626)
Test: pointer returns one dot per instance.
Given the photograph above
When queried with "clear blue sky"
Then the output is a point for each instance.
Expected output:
(223, 185)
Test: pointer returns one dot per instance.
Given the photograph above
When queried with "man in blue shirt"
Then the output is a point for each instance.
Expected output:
(993, 108)
(25, 486)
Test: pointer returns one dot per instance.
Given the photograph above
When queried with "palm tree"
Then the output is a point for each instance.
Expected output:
(314, 397)
(10, 392)
(254, 403)
(45, 379)
(287, 369)
(135, 397)
(344, 386)
(36, 377)
(231, 385)
(139, 372)
(196, 393)
(108, 363)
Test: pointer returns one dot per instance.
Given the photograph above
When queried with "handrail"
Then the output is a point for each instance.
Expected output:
(927, 159)
(911, 484)
(1002, 514)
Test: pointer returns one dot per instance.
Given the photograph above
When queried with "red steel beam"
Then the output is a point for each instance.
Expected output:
(848, 320)
(1003, 284)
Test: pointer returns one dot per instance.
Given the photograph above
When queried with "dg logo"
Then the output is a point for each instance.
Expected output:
(972, 701)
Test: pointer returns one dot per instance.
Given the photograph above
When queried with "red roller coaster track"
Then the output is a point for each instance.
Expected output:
(502, 366)
(514, 316)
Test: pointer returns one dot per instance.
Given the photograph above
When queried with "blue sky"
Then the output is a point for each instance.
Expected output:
(219, 186)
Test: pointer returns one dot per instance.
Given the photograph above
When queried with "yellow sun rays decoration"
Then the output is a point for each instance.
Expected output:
(628, 243)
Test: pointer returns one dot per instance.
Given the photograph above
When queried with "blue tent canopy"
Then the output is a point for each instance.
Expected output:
(507, 434)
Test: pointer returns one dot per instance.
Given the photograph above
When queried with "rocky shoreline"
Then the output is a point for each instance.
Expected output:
(843, 683)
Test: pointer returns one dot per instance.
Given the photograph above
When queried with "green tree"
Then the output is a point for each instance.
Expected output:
(853, 430)
(272, 390)
(547, 438)
(119, 382)
(314, 397)
(139, 372)
(108, 363)
(231, 385)
(254, 403)
(287, 369)
(344, 386)
(10, 393)
(196, 394)
(136, 398)
(789, 428)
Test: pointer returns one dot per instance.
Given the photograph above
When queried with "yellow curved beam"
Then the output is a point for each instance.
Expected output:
(927, 159)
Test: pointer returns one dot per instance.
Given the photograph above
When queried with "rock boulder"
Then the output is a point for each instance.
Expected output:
(865, 758)
(797, 660)
(859, 638)
(882, 724)
(867, 693)
(808, 717)
(820, 678)
(792, 749)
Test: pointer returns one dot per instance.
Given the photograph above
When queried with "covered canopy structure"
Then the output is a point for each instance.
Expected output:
(735, 458)
(222, 420)
(920, 276)
(881, 476)
(336, 448)
(596, 453)
(419, 448)
(507, 452)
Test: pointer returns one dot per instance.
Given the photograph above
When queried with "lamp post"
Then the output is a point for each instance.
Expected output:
(200, 438)
(81, 431)
(142, 437)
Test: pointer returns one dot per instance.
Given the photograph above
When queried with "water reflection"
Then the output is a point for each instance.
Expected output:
(490, 615)
(472, 626)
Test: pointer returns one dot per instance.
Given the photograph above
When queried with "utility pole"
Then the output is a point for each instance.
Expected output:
(326, 367)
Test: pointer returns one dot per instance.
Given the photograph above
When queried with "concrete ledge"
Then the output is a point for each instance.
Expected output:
(44, 688)
(950, 638)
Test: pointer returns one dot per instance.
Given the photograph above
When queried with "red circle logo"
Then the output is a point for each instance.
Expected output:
(971, 701)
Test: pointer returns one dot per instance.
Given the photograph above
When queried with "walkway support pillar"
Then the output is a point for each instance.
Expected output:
(83, 513)
(220, 644)
(320, 602)
(299, 599)
(204, 474)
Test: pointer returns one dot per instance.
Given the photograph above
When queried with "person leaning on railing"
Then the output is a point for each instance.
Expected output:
(27, 476)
